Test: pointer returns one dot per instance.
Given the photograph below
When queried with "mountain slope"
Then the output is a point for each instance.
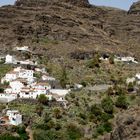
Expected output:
(68, 25)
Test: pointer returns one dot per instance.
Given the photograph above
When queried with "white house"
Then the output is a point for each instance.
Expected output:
(138, 76)
(48, 78)
(15, 118)
(16, 86)
(28, 92)
(41, 88)
(126, 59)
(10, 77)
(24, 48)
(41, 70)
(23, 73)
(9, 59)
(130, 80)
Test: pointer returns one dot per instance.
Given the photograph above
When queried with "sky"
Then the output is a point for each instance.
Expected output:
(122, 4)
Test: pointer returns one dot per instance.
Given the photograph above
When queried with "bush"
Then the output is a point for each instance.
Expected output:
(43, 99)
(8, 137)
(107, 105)
(122, 102)
(96, 110)
(102, 128)
(105, 117)
(74, 132)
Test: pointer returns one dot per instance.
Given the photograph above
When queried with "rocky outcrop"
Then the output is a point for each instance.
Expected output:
(127, 125)
(135, 8)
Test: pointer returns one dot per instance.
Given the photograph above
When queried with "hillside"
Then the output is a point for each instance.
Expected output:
(77, 44)
(68, 25)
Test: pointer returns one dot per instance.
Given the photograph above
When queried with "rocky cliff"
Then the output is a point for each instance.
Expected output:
(135, 8)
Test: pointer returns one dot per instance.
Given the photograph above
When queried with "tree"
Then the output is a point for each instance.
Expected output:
(107, 105)
(43, 99)
(63, 78)
(122, 102)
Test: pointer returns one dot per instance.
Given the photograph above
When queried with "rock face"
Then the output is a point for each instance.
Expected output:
(127, 125)
(135, 8)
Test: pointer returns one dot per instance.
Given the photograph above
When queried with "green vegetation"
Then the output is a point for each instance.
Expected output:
(94, 63)
(107, 105)
(63, 78)
(9, 137)
(122, 102)
(43, 99)
(4, 69)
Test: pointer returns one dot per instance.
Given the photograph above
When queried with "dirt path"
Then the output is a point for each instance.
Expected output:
(30, 133)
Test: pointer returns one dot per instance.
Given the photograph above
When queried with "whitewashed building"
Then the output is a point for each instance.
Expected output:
(41, 88)
(16, 86)
(48, 78)
(23, 73)
(9, 59)
(24, 48)
(138, 76)
(13, 75)
(15, 118)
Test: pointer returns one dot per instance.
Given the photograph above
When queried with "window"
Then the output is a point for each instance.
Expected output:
(26, 93)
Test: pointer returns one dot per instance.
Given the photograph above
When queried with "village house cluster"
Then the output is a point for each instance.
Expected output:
(22, 83)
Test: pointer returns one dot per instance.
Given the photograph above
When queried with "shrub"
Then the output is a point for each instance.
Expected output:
(8, 137)
(104, 117)
(122, 102)
(102, 128)
(107, 105)
(96, 110)
(43, 99)
(74, 132)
